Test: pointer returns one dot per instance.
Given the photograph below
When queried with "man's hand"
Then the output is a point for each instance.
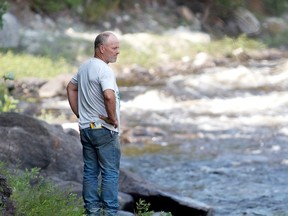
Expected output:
(109, 121)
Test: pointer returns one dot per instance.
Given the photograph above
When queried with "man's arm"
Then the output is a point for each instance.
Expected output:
(110, 105)
(72, 93)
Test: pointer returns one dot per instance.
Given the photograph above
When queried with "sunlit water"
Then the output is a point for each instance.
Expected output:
(223, 137)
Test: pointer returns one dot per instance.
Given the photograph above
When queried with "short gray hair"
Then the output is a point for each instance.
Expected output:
(101, 39)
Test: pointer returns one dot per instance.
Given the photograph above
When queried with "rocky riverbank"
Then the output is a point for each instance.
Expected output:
(210, 129)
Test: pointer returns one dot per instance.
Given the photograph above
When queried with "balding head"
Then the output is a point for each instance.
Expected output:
(102, 38)
(106, 47)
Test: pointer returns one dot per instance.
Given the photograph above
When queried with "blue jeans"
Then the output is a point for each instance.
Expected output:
(101, 155)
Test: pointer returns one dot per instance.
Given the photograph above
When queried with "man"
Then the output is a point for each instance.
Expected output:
(93, 96)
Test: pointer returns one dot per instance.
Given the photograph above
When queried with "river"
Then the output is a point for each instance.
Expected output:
(219, 136)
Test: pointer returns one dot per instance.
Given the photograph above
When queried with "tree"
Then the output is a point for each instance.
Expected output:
(3, 8)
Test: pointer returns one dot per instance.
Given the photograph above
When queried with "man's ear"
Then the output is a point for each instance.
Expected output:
(101, 48)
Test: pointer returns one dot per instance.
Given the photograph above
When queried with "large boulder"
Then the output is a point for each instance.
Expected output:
(28, 142)
(9, 34)
(247, 22)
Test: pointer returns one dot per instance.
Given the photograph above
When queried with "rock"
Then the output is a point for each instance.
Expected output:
(161, 200)
(124, 213)
(203, 60)
(240, 55)
(247, 22)
(28, 87)
(126, 201)
(29, 142)
(267, 54)
(55, 87)
(275, 25)
(9, 34)
(193, 19)
(186, 13)
(142, 135)
(7, 205)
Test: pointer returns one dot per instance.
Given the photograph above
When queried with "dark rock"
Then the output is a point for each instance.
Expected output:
(6, 204)
(161, 200)
(29, 142)
(126, 201)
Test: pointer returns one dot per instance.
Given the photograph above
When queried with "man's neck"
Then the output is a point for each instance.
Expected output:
(100, 57)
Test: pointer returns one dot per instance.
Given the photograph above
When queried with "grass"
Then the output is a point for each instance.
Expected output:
(27, 65)
(153, 51)
(33, 195)
(156, 50)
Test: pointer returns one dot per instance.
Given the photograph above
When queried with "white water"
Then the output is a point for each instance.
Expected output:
(226, 137)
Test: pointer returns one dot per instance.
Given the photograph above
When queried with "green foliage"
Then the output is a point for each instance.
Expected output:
(142, 209)
(3, 8)
(272, 7)
(7, 102)
(36, 197)
(276, 7)
(26, 65)
(53, 6)
(277, 40)
(95, 10)
(230, 4)
(91, 11)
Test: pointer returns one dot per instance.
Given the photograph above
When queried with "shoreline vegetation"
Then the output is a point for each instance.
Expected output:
(43, 66)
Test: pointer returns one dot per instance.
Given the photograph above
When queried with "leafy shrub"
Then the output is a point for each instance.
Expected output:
(95, 10)
(36, 197)
(3, 8)
(53, 6)
(7, 102)
(276, 7)
(142, 209)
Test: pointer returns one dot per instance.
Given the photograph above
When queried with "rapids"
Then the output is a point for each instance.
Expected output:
(219, 136)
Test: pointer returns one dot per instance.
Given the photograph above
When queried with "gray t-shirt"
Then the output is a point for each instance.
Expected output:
(93, 78)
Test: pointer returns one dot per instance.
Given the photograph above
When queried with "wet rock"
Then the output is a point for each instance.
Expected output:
(161, 200)
(142, 135)
(125, 213)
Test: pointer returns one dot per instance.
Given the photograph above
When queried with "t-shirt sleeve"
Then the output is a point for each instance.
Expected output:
(74, 79)
(107, 81)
